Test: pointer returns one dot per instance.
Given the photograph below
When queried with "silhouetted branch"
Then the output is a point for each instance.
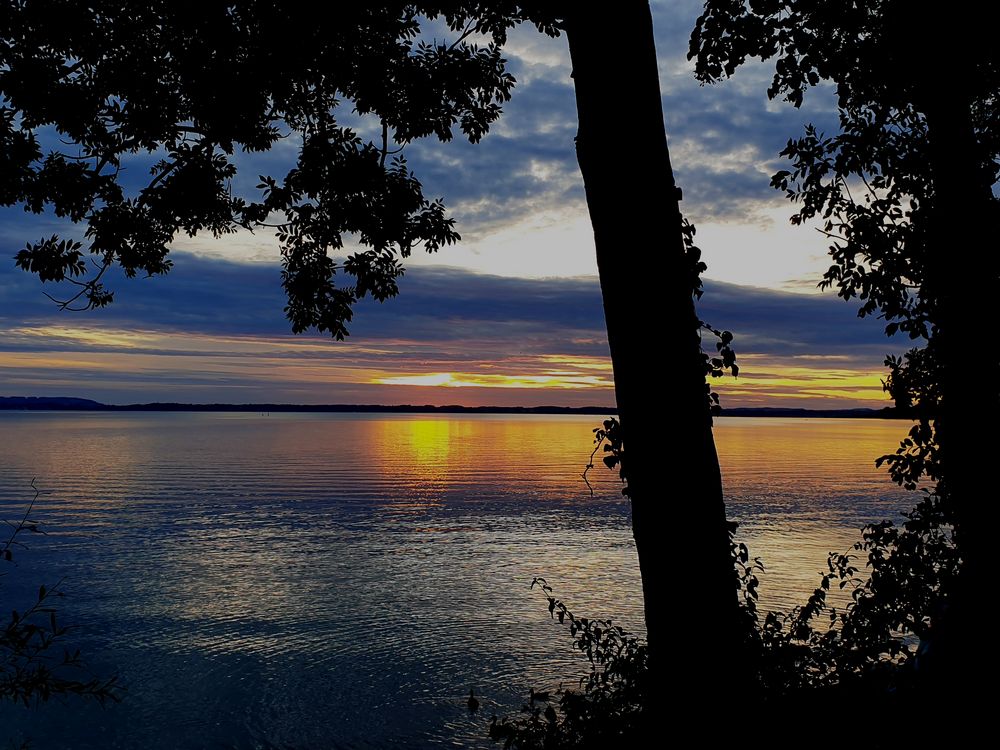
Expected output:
(90, 287)
(470, 28)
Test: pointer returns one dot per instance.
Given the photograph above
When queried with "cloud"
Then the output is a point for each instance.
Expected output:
(220, 297)
(213, 330)
(776, 323)
(518, 197)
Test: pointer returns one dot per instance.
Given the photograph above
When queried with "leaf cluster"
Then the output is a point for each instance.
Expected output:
(608, 438)
(897, 579)
(117, 86)
(604, 711)
(870, 185)
(725, 358)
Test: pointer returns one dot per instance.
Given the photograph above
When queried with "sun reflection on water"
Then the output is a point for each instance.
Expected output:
(377, 560)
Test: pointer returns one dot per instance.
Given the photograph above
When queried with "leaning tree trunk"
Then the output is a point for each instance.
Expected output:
(678, 515)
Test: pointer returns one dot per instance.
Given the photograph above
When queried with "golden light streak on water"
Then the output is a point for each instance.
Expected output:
(297, 572)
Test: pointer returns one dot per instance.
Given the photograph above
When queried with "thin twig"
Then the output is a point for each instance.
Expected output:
(470, 28)
(590, 465)
(20, 526)
(86, 286)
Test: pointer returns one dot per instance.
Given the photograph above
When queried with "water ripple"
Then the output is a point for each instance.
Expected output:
(318, 581)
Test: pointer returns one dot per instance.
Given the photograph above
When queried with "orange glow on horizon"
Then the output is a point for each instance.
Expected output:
(551, 379)
(765, 380)
(310, 369)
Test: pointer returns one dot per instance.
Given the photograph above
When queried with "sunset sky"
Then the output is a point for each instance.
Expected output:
(512, 315)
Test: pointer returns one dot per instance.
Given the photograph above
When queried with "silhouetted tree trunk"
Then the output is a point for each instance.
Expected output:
(678, 515)
(943, 63)
(964, 279)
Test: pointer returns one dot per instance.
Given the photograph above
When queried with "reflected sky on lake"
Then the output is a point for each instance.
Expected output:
(300, 580)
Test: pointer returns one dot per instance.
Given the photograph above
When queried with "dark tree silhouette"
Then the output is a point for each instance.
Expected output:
(187, 91)
(906, 192)
(648, 281)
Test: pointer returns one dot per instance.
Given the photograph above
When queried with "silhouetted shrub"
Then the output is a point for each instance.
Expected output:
(876, 645)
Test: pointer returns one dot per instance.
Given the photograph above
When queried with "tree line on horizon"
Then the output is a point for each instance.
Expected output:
(69, 403)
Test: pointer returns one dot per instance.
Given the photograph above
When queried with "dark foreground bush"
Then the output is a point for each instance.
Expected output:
(605, 711)
(873, 656)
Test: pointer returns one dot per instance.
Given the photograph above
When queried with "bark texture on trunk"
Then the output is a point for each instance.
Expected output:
(678, 514)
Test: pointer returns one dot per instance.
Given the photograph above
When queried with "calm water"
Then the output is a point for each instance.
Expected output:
(322, 581)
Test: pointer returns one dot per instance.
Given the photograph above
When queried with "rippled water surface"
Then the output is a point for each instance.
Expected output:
(322, 581)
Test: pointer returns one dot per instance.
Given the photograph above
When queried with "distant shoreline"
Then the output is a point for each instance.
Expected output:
(45, 403)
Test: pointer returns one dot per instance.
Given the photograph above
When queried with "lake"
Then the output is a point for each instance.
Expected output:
(342, 580)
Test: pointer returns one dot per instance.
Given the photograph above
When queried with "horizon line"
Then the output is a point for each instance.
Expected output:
(72, 403)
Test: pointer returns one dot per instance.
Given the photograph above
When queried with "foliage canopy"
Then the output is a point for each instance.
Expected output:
(188, 93)
(871, 184)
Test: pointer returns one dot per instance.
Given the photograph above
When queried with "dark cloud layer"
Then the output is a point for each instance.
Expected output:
(207, 296)
(214, 330)
(780, 323)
